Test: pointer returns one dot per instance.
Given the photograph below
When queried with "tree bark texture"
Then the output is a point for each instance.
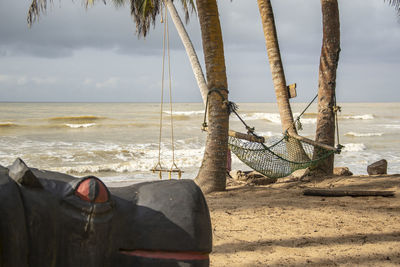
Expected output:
(190, 51)
(275, 63)
(325, 132)
(278, 78)
(212, 173)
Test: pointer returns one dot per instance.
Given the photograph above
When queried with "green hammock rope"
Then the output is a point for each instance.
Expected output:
(277, 157)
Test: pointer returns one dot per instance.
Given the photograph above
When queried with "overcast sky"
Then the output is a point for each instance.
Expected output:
(74, 54)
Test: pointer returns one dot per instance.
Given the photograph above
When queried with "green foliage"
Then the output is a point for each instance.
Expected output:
(145, 13)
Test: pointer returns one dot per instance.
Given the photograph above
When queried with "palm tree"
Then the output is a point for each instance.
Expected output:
(275, 63)
(190, 51)
(329, 59)
(325, 132)
(278, 77)
(145, 12)
(211, 176)
(327, 74)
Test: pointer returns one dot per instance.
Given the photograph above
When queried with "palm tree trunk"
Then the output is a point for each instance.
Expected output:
(211, 176)
(278, 78)
(190, 51)
(275, 63)
(329, 59)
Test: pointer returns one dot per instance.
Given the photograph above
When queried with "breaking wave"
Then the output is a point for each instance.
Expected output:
(359, 117)
(354, 147)
(129, 162)
(72, 119)
(275, 118)
(186, 113)
(8, 124)
(354, 134)
(271, 117)
(83, 125)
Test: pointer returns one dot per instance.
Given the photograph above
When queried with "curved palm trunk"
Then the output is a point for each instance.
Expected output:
(275, 63)
(329, 59)
(211, 176)
(278, 77)
(190, 51)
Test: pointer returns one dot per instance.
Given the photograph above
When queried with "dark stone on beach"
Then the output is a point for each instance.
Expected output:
(342, 171)
(376, 168)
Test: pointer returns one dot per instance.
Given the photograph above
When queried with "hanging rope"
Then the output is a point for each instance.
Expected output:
(297, 122)
(158, 167)
(335, 109)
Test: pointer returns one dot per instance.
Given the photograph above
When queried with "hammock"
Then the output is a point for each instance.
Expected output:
(278, 157)
(275, 157)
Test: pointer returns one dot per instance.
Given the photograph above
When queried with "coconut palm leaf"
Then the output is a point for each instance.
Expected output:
(39, 6)
(145, 13)
(395, 3)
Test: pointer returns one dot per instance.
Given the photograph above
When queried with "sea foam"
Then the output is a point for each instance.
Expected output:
(354, 134)
(271, 117)
(186, 113)
(82, 125)
(354, 147)
(274, 118)
(187, 158)
(359, 117)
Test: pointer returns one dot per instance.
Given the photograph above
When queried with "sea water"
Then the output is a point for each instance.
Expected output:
(120, 141)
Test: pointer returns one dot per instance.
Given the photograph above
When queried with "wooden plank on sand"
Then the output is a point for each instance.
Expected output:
(344, 193)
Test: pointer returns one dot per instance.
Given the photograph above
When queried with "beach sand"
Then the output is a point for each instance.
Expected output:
(276, 225)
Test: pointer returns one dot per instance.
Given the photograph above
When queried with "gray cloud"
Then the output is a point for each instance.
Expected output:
(94, 55)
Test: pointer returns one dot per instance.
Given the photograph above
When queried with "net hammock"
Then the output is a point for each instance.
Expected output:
(278, 156)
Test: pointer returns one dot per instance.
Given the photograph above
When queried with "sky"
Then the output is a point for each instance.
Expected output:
(73, 54)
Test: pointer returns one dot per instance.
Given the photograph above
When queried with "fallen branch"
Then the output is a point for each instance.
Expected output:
(344, 193)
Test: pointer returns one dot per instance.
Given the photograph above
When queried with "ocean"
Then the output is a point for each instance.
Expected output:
(120, 141)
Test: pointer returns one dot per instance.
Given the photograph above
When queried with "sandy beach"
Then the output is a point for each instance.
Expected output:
(276, 225)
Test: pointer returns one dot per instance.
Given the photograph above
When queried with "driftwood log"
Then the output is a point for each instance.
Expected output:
(344, 193)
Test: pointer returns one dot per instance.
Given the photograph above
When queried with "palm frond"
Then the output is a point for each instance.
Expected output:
(36, 7)
(395, 4)
(119, 3)
(188, 6)
(39, 6)
(145, 12)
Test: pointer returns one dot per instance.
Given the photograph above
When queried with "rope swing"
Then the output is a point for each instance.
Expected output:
(159, 167)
